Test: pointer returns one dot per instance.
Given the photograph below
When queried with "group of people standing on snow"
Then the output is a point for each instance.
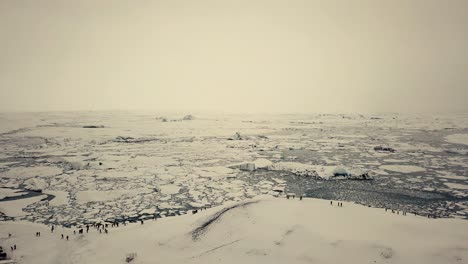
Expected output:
(340, 204)
(397, 212)
(293, 196)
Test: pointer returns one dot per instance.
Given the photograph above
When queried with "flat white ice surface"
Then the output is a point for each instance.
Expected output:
(456, 185)
(273, 230)
(170, 189)
(61, 197)
(448, 175)
(6, 192)
(14, 208)
(458, 139)
(29, 172)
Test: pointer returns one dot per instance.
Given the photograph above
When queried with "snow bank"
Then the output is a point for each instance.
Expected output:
(307, 231)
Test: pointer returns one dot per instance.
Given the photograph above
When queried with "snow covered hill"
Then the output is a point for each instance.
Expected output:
(261, 230)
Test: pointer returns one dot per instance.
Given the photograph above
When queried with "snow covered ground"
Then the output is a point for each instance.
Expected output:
(260, 230)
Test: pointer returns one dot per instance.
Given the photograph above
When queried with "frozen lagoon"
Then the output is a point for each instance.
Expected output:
(122, 166)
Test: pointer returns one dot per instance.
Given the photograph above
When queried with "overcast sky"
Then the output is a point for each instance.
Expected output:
(236, 56)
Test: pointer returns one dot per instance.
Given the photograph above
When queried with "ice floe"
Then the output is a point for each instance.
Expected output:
(101, 196)
(251, 166)
(169, 189)
(449, 175)
(29, 172)
(458, 139)
(214, 172)
(402, 168)
(7, 192)
(60, 197)
(14, 208)
(295, 168)
(35, 184)
(456, 185)
(323, 172)
(236, 136)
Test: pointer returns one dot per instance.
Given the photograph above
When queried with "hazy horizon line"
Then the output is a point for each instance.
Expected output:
(219, 111)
